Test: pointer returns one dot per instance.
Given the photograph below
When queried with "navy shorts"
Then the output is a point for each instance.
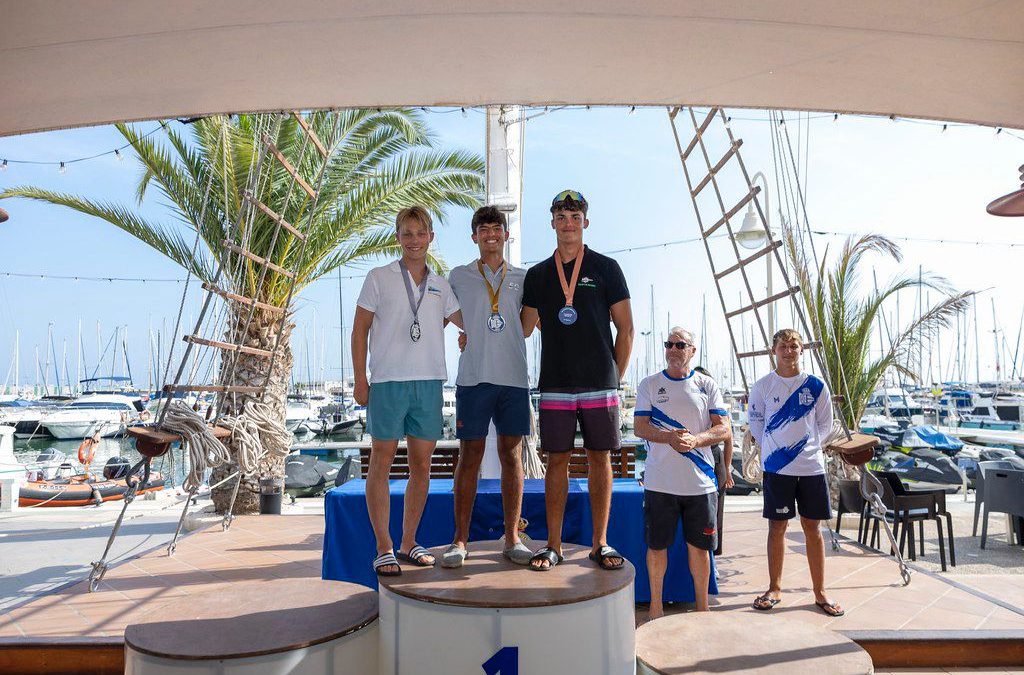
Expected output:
(784, 494)
(477, 405)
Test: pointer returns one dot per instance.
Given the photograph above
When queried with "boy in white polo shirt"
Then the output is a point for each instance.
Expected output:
(400, 317)
(681, 414)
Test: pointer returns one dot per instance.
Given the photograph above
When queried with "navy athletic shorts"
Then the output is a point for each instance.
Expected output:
(477, 405)
(784, 494)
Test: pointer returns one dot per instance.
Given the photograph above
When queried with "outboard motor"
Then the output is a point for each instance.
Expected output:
(115, 468)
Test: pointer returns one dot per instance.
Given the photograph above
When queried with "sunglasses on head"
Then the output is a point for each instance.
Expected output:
(571, 195)
(678, 345)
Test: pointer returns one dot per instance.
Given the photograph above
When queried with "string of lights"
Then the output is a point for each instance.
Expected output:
(62, 165)
(632, 249)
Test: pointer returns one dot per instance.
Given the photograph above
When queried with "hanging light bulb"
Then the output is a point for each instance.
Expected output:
(632, 109)
(3, 167)
(63, 168)
(782, 122)
(464, 113)
(117, 153)
(835, 117)
(892, 118)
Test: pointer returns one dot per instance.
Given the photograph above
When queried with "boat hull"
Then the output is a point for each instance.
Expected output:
(78, 490)
(75, 430)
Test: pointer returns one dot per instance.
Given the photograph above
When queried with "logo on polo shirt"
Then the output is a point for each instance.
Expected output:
(587, 282)
(433, 290)
(805, 397)
(661, 390)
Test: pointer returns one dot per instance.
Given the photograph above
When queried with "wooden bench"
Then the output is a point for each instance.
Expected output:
(623, 462)
(442, 462)
(446, 458)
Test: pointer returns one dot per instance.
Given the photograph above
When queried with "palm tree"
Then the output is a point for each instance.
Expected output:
(843, 317)
(383, 160)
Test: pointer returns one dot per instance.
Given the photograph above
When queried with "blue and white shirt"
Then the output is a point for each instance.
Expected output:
(675, 404)
(790, 417)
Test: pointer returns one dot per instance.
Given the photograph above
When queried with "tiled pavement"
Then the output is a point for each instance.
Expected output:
(867, 584)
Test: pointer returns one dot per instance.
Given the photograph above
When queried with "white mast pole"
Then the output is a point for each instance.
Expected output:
(504, 134)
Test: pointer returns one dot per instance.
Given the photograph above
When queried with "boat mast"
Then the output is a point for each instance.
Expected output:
(995, 339)
(341, 334)
(977, 346)
(78, 368)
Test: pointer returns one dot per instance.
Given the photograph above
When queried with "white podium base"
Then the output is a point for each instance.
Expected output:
(355, 653)
(575, 618)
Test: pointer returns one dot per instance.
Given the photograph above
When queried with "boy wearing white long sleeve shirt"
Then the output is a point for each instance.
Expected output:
(790, 417)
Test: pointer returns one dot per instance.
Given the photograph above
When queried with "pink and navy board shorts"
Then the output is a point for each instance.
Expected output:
(596, 411)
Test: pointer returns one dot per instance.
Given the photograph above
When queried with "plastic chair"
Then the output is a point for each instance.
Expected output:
(851, 501)
(904, 508)
(1004, 493)
(979, 486)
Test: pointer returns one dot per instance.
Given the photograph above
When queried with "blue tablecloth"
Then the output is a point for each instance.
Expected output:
(349, 544)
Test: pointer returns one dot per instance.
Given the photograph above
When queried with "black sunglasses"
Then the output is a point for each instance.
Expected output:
(678, 345)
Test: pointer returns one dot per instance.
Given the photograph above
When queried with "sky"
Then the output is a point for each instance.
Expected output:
(906, 179)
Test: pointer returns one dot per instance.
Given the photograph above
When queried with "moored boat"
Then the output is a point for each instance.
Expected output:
(85, 489)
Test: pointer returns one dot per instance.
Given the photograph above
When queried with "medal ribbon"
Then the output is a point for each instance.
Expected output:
(490, 290)
(569, 289)
(413, 305)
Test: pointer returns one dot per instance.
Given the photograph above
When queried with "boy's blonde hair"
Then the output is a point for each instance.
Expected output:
(416, 211)
(785, 335)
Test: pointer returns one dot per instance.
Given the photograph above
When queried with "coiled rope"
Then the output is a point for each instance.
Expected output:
(205, 451)
(256, 433)
(751, 458)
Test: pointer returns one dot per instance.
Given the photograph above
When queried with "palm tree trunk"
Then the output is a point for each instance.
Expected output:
(251, 370)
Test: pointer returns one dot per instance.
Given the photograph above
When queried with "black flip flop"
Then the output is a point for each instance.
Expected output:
(603, 554)
(831, 608)
(546, 553)
(415, 556)
(765, 602)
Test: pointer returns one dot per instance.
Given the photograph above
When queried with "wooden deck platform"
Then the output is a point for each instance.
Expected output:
(936, 621)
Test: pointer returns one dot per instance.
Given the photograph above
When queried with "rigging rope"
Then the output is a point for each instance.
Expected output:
(205, 450)
(256, 433)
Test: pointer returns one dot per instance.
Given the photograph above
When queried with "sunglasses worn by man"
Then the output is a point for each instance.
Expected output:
(678, 345)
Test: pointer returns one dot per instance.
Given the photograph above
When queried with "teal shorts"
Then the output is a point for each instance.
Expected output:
(400, 409)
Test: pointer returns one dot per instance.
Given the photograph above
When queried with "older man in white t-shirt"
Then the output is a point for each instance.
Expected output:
(681, 414)
(400, 318)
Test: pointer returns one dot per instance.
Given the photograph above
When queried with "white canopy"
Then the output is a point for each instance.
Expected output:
(84, 62)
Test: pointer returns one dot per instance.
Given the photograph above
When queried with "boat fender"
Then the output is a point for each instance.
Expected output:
(97, 498)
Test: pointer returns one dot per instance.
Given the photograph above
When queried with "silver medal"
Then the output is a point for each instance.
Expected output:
(496, 323)
(567, 315)
(414, 331)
